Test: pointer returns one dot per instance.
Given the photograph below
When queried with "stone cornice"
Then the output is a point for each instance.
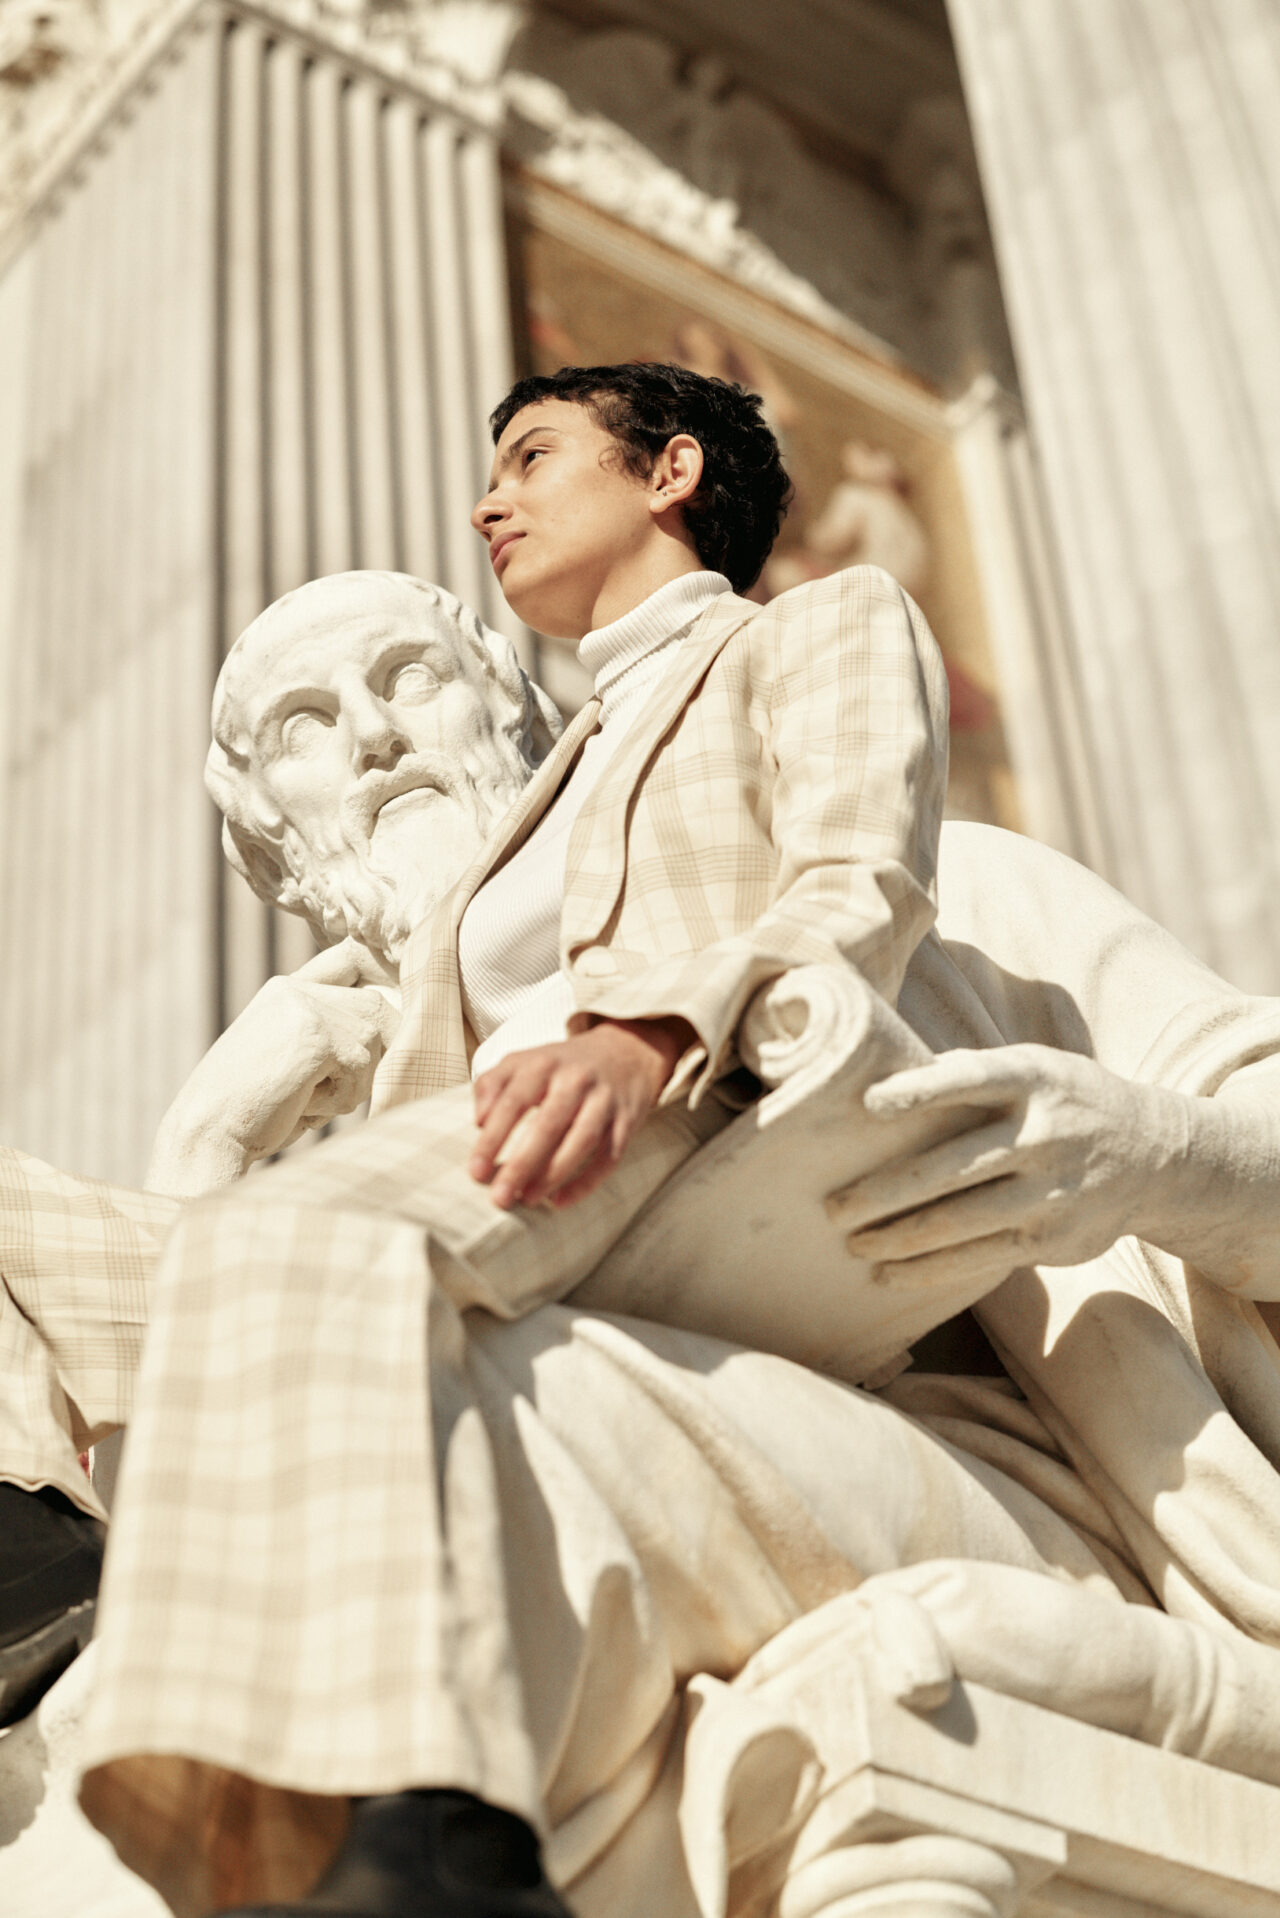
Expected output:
(108, 81)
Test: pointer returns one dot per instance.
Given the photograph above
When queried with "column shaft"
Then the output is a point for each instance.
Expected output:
(1131, 157)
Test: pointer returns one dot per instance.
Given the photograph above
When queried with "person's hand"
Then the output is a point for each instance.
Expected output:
(1068, 1160)
(303, 1050)
(553, 1120)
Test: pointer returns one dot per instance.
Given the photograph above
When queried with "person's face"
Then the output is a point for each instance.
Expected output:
(561, 517)
(372, 730)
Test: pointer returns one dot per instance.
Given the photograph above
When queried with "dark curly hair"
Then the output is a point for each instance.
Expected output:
(734, 516)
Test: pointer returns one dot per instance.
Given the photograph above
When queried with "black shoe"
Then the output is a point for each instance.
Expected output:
(429, 1854)
(50, 1563)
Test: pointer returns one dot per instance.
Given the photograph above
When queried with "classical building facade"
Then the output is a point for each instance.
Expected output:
(1006, 277)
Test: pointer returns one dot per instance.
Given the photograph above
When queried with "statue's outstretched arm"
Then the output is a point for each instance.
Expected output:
(1070, 1158)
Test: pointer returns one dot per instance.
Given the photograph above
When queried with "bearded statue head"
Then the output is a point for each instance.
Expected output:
(369, 732)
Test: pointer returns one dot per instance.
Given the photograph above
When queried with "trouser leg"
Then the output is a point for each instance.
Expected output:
(369, 1538)
(307, 1488)
(76, 1259)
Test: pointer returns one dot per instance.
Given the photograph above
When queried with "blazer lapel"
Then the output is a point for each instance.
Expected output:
(430, 1050)
(520, 821)
(705, 638)
(596, 859)
(516, 825)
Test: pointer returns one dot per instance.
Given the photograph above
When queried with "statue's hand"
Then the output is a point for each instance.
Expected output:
(1069, 1159)
(303, 1050)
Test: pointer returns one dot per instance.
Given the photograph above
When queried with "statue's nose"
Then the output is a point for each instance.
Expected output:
(377, 740)
(382, 754)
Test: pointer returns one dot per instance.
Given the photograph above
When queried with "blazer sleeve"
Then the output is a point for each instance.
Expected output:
(858, 738)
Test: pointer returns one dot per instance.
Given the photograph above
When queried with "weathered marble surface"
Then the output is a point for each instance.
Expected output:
(937, 1742)
(892, 1751)
(707, 1254)
(357, 782)
(858, 1764)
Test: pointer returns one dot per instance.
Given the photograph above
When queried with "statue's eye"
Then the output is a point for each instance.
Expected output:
(412, 683)
(302, 732)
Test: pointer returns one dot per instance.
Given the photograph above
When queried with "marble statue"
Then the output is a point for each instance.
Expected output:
(1100, 1103)
(362, 855)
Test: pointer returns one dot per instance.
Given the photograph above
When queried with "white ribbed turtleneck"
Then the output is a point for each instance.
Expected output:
(513, 990)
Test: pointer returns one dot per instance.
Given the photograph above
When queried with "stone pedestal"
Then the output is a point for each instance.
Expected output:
(993, 1808)
(984, 1808)
(1131, 158)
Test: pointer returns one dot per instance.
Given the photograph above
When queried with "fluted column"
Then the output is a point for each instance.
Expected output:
(364, 337)
(249, 334)
(1131, 158)
(106, 935)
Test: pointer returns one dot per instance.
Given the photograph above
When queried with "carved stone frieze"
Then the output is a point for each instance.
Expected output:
(934, 169)
(677, 147)
(670, 143)
(601, 162)
(54, 54)
(58, 56)
(676, 144)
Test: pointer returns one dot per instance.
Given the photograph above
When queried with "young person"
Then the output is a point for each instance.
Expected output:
(630, 507)
(310, 1488)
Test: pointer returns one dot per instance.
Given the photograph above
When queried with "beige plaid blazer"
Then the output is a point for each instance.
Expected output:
(776, 804)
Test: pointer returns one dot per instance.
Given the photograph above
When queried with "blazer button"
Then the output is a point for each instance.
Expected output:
(596, 963)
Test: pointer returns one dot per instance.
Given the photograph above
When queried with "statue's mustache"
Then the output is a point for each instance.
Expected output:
(423, 772)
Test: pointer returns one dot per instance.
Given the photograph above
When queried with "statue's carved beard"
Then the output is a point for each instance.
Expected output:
(383, 874)
(352, 899)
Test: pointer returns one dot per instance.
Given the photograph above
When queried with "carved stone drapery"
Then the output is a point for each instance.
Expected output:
(1131, 157)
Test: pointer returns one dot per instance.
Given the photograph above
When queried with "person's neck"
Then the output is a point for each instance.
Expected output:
(633, 583)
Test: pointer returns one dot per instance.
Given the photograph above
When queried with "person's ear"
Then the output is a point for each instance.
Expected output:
(677, 474)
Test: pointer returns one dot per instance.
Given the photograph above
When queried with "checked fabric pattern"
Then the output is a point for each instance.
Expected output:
(76, 1260)
(306, 1543)
(777, 805)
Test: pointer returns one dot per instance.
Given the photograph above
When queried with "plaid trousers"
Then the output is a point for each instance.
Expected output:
(391, 1515)
(76, 1257)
